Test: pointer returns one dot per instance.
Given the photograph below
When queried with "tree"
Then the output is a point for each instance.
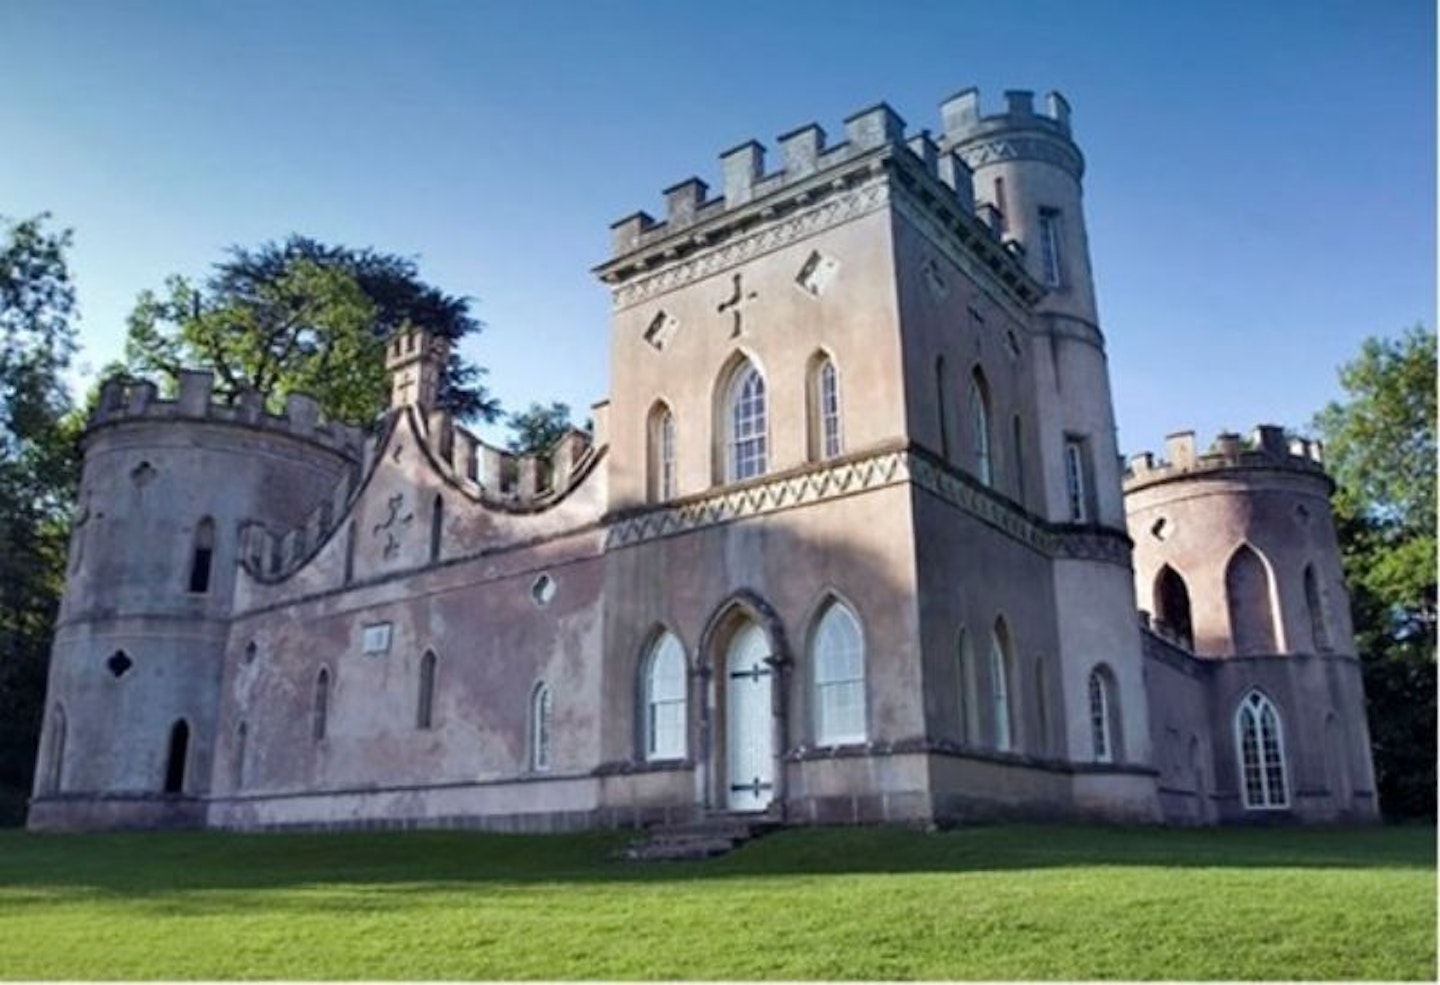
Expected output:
(39, 469)
(538, 428)
(304, 316)
(1380, 446)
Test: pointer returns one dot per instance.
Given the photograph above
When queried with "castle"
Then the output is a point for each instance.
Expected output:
(851, 542)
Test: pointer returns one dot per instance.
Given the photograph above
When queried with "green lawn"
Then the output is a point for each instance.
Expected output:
(1002, 902)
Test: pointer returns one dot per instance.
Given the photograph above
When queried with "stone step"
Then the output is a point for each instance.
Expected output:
(698, 839)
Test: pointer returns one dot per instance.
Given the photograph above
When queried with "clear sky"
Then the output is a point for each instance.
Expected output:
(1260, 190)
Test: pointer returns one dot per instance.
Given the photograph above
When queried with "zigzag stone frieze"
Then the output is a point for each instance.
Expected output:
(860, 475)
(843, 207)
(1023, 148)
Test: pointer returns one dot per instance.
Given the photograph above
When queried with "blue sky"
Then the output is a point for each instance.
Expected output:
(1260, 190)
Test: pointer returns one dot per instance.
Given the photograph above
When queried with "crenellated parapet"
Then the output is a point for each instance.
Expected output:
(495, 478)
(1268, 447)
(812, 184)
(1018, 133)
(128, 401)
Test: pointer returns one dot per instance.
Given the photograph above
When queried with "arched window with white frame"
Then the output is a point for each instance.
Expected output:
(662, 484)
(823, 393)
(1260, 749)
(1000, 663)
(745, 424)
(664, 682)
(837, 656)
(540, 712)
(979, 403)
(1100, 688)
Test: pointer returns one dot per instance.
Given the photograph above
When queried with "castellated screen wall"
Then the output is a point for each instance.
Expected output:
(850, 542)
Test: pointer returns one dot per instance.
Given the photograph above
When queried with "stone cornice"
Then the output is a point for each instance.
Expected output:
(1059, 151)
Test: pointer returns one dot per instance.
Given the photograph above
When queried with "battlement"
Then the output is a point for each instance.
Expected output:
(803, 154)
(1267, 447)
(498, 479)
(963, 118)
(124, 401)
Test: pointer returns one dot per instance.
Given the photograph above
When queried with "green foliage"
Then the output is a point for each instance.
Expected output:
(1380, 446)
(39, 469)
(538, 428)
(304, 316)
(1011, 902)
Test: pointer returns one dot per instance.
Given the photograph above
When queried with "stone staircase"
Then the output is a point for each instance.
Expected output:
(699, 839)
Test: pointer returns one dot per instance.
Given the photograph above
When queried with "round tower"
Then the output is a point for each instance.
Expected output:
(1237, 561)
(135, 670)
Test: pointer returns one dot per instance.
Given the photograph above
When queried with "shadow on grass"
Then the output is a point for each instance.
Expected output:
(140, 864)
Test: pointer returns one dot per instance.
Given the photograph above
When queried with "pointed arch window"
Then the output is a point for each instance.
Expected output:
(1000, 687)
(664, 689)
(1172, 607)
(824, 417)
(242, 735)
(437, 526)
(425, 700)
(661, 437)
(202, 556)
(1260, 745)
(979, 402)
(1247, 594)
(969, 730)
(1017, 452)
(1315, 603)
(746, 425)
(320, 711)
(179, 752)
(1101, 690)
(837, 654)
(350, 552)
(540, 712)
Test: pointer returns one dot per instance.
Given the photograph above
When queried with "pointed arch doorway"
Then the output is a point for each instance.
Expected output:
(749, 735)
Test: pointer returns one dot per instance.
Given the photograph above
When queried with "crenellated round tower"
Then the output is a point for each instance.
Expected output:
(166, 488)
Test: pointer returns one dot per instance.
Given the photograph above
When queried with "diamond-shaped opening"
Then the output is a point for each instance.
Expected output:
(119, 664)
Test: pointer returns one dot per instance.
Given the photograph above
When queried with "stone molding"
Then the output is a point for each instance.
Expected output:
(1044, 149)
(850, 204)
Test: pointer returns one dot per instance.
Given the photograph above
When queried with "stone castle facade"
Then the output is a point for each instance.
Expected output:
(852, 541)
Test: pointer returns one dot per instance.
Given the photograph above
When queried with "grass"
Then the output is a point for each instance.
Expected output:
(997, 903)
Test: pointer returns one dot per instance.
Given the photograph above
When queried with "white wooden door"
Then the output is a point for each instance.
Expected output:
(749, 756)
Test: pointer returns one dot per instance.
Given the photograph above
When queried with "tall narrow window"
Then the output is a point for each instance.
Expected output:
(980, 427)
(202, 557)
(1017, 452)
(1172, 607)
(1102, 744)
(242, 734)
(942, 406)
(540, 728)
(969, 730)
(425, 701)
(437, 527)
(746, 426)
(1260, 745)
(350, 552)
(55, 774)
(837, 654)
(1247, 594)
(1315, 602)
(1042, 710)
(320, 715)
(824, 418)
(175, 761)
(661, 437)
(1076, 482)
(1000, 686)
(1050, 247)
(664, 688)
(1000, 204)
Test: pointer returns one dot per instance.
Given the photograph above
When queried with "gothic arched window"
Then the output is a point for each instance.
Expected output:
(823, 391)
(179, 752)
(746, 424)
(320, 712)
(661, 454)
(437, 526)
(1000, 663)
(664, 684)
(837, 658)
(1172, 607)
(1103, 717)
(1260, 747)
(540, 728)
(979, 402)
(202, 556)
(1247, 594)
(969, 730)
(425, 700)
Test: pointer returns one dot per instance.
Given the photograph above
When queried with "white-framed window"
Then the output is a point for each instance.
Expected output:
(1102, 747)
(662, 482)
(746, 425)
(1075, 480)
(837, 654)
(375, 639)
(980, 427)
(1260, 747)
(827, 408)
(1050, 248)
(665, 687)
(1000, 688)
(540, 711)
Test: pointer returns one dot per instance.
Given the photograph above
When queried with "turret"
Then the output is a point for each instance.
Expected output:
(415, 359)
(134, 676)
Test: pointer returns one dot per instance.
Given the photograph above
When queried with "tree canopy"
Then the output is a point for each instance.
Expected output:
(537, 428)
(305, 316)
(39, 469)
